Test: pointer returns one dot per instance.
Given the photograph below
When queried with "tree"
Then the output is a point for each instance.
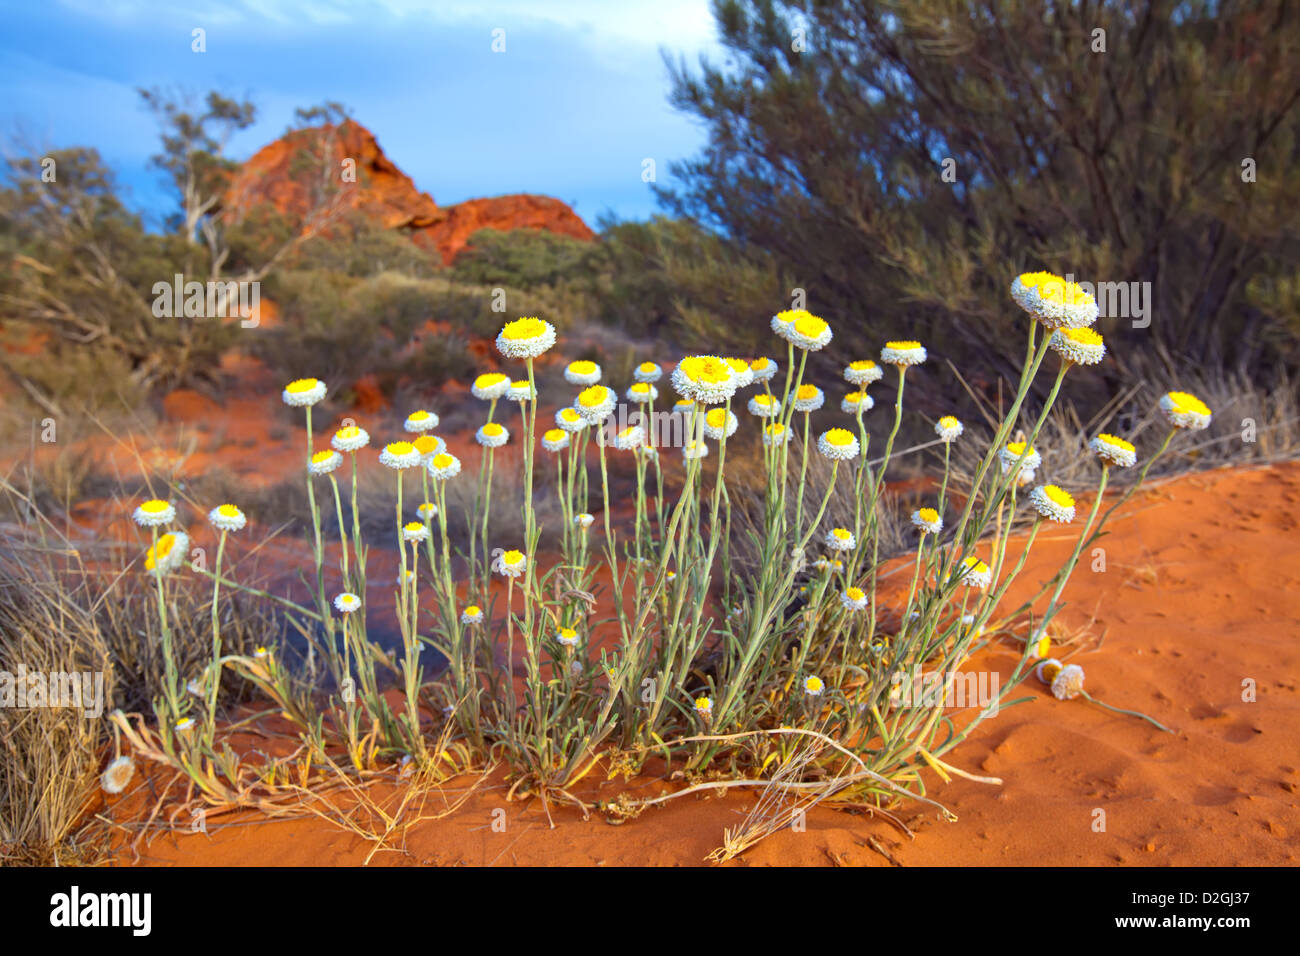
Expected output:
(193, 153)
(81, 270)
(1116, 156)
(82, 273)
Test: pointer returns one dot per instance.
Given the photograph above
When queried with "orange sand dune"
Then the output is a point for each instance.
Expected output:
(1198, 596)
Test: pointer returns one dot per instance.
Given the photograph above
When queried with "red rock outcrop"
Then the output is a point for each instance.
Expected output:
(522, 211)
(286, 174)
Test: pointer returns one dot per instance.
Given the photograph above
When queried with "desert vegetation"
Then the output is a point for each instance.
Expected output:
(653, 634)
(731, 586)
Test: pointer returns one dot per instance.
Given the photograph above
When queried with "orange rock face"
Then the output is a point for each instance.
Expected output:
(286, 175)
(523, 211)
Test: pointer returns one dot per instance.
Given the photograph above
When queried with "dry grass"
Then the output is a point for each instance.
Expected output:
(50, 754)
(68, 605)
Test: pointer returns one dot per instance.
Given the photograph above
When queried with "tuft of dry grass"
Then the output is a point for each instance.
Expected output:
(50, 754)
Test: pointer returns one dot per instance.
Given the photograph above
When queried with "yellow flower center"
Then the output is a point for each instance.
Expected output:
(473, 610)
(976, 565)
(414, 526)
(155, 507)
(1017, 448)
(739, 366)
(854, 397)
(347, 432)
(717, 418)
(775, 429)
(593, 397)
(791, 315)
(493, 429)
(582, 367)
(1083, 336)
(154, 555)
(842, 533)
(425, 444)
(641, 388)
(513, 557)
(442, 460)
(862, 365)
(228, 511)
(1050, 670)
(764, 400)
(323, 456)
(810, 326)
(397, 448)
(554, 434)
(928, 515)
(568, 633)
(839, 437)
(648, 367)
(419, 416)
(1033, 279)
(704, 703)
(806, 392)
(855, 594)
(759, 364)
(706, 369)
(1058, 290)
(948, 421)
(1187, 402)
(490, 379)
(1115, 441)
(1059, 496)
(813, 684)
(569, 415)
(522, 329)
(905, 346)
(301, 385)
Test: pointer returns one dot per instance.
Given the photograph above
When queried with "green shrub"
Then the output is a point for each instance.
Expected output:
(524, 259)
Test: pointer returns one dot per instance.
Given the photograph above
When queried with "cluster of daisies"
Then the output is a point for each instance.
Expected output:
(171, 548)
(1065, 309)
(1068, 310)
(702, 383)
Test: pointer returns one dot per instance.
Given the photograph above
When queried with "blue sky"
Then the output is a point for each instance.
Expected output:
(570, 109)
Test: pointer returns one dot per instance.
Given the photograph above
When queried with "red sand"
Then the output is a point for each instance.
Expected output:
(1198, 596)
